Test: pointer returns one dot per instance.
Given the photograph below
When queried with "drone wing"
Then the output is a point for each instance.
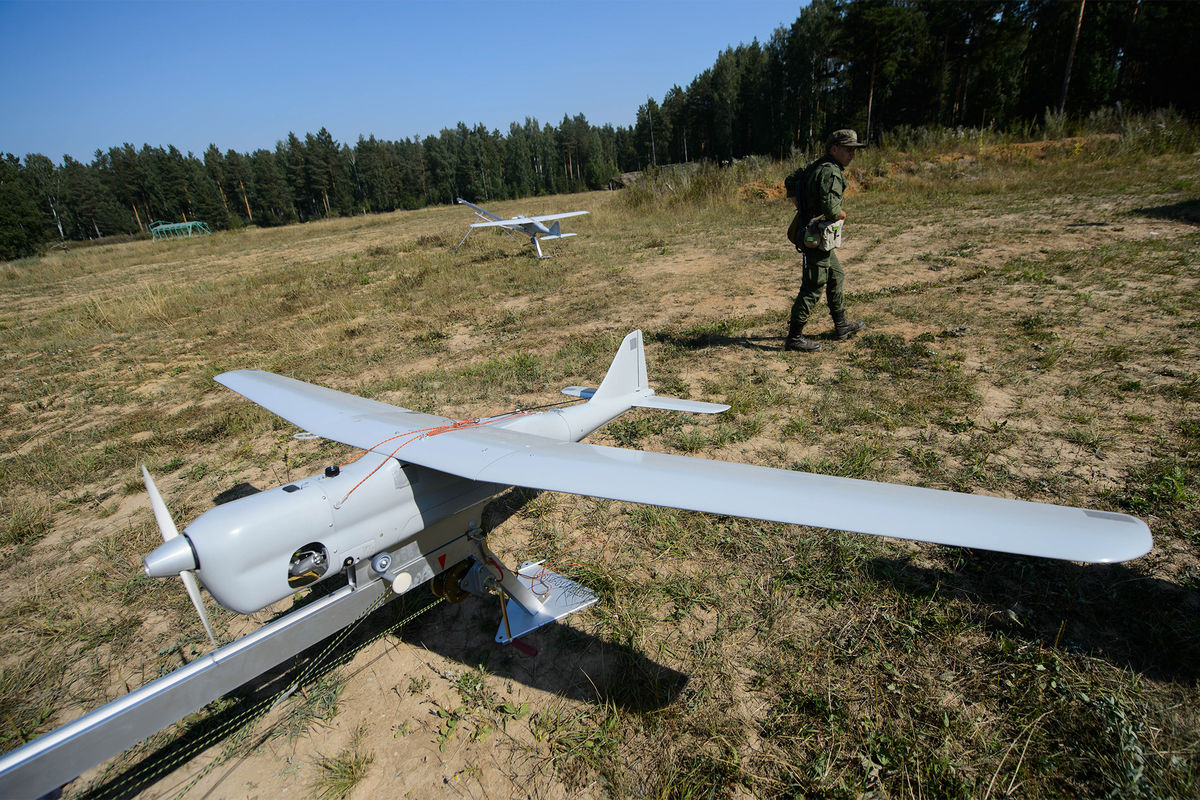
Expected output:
(524, 220)
(504, 223)
(754, 492)
(330, 414)
(482, 212)
(545, 217)
(494, 454)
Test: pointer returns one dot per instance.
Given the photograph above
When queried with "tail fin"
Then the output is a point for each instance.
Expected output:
(555, 230)
(627, 373)
(626, 382)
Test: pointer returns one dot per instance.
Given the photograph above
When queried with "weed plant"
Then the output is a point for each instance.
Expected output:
(338, 775)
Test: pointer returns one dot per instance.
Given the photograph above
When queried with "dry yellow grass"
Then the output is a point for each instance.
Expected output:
(1032, 332)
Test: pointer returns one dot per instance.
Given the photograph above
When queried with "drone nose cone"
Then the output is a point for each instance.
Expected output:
(171, 558)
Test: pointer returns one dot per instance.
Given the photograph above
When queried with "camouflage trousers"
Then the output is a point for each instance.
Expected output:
(822, 272)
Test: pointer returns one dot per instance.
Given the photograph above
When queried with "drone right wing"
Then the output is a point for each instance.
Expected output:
(503, 223)
(523, 220)
(493, 454)
(545, 217)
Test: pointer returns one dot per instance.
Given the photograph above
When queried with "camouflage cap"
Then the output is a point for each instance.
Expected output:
(844, 137)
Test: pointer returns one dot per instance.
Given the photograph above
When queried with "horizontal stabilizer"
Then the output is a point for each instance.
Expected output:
(678, 404)
(557, 236)
(654, 401)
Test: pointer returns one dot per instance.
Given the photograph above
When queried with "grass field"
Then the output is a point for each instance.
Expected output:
(1033, 331)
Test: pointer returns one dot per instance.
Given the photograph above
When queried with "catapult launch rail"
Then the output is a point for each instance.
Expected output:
(64, 754)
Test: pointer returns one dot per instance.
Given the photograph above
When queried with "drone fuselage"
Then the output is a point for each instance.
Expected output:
(260, 549)
(533, 227)
(257, 550)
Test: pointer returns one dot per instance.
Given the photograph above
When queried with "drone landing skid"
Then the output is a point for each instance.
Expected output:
(559, 597)
(530, 597)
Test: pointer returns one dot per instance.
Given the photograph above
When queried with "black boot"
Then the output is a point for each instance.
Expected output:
(843, 328)
(796, 341)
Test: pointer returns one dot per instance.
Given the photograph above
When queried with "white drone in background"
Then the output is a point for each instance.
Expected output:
(532, 227)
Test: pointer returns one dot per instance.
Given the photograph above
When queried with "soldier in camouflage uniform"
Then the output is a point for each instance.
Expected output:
(818, 188)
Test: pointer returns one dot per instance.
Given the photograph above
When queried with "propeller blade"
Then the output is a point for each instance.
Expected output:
(193, 590)
(166, 525)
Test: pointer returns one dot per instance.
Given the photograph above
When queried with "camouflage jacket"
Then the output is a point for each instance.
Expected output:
(820, 187)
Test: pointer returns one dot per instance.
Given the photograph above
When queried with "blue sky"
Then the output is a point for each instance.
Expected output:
(85, 75)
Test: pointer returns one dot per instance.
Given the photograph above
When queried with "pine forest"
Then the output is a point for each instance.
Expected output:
(884, 67)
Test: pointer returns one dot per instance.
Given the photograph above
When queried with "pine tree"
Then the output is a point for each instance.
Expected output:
(22, 225)
(45, 184)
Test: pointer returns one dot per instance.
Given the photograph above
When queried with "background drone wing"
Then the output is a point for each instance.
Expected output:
(493, 454)
(526, 220)
(504, 223)
(544, 217)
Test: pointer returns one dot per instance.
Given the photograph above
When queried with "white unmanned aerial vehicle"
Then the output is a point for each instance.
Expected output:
(526, 226)
(408, 512)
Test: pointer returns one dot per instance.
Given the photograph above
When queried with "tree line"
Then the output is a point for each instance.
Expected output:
(878, 65)
(125, 189)
(874, 65)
